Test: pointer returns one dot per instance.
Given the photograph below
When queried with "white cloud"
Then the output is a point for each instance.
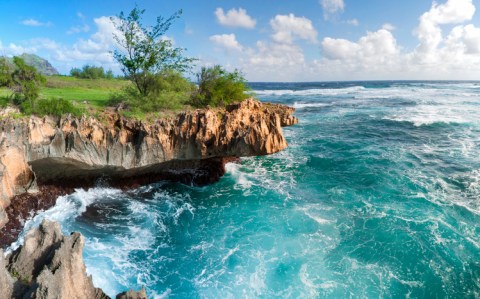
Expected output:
(13, 49)
(455, 55)
(235, 18)
(331, 7)
(78, 29)
(286, 28)
(270, 61)
(226, 41)
(388, 26)
(353, 22)
(35, 23)
(429, 32)
(375, 47)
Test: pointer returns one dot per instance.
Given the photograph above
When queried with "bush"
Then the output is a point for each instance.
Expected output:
(25, 81)
(91, 72)
(169, 90)
(218, 87)
(6, 70)
(53, 107)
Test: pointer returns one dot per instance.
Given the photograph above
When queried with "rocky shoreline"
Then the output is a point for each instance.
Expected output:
(44, 158)
(50, 265)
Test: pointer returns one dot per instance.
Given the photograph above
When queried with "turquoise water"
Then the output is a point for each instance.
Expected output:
(378, 195)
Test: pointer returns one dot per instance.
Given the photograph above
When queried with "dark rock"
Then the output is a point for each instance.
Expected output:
(131, 294)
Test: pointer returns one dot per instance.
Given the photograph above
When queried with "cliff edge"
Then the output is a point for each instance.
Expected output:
(41, 158)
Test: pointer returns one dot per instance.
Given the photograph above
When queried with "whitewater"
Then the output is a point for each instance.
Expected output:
(377, 195)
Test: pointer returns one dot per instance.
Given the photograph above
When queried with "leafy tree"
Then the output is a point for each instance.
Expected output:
(109, 74)
(91, 72)
(145, 52)
(25, 81)
(76, 72)
(218, 87)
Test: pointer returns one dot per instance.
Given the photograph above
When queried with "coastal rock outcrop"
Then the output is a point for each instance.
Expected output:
(38, 154)
(50, 265)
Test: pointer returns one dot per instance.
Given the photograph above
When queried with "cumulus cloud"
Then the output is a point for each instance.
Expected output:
(388, 26)
(331, 7)
(271, 61)
(235, 18)
(287, 28)
(375, 47)
(14, 49)
(226, 41)
(36, 23)
(429, 31)
(438, 55)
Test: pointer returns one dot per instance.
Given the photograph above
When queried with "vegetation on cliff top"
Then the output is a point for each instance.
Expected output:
(155, 78)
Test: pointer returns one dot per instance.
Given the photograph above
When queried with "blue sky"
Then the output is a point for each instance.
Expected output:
(269, 40)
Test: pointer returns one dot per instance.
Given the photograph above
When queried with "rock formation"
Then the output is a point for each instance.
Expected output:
(50, 265)
(37, 154)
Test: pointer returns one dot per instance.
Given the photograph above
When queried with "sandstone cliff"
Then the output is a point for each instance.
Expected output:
(192, 148)
(50, 265)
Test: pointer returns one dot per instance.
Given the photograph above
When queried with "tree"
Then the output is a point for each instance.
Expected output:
(91, 72)
(218, 87)
(25, 81)
(145, 52)
(5, 72)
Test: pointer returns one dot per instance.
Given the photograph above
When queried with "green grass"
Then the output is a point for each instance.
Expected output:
(90, 92)
(91, 95)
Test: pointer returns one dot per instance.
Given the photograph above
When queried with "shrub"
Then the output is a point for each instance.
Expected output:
(218, 87)
(53, 106)
(6, 71)
(25, 81)
(169, 90)
(91, 72)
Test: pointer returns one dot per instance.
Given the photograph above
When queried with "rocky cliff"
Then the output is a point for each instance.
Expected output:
(55, 155)
(50, 265)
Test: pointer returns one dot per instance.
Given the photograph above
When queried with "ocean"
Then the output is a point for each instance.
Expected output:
(377, 195)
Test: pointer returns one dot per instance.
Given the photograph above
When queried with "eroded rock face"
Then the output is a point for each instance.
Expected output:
(49, 266)
(191, 148)
(6, 280)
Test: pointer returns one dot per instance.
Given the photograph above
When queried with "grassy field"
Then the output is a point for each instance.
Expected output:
(86, 92)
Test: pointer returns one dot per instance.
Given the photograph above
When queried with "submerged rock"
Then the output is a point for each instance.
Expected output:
(131, 294)
(50, 265)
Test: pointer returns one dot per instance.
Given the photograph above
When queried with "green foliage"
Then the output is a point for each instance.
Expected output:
(145, 52)
(4, 101)
(53, 107)
(25, 81)
(218, 87)
(5, 72)
(91, 72)
(169, 90)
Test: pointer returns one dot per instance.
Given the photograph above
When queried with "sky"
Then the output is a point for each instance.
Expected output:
(268, 40)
